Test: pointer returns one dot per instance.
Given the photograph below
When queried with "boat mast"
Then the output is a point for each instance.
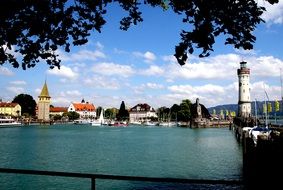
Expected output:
(266, 111)
(281, 85)
(255, 114)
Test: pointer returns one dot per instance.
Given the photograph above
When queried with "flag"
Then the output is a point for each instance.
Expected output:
(264, 108)
(277, 105)
(269, 107)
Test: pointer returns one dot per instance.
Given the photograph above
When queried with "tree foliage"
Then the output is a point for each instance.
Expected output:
(72, 115)
(27, 104)
(31, 30)
(123, 114)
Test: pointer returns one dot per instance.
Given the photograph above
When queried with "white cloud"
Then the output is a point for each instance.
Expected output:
(102, 82)
(209, 94)
(217, 67)
(109, 69)
(18, 82)
(265, 66)
(16, 90)
(5, 71)
(259, 88)
(99, 45)
(73, 93)
(273, 13)
(64, 71)
(143, 88)
(81, 55)
(153, 70)
(148, 56)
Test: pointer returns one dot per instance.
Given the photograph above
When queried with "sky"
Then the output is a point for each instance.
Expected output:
(138, 66)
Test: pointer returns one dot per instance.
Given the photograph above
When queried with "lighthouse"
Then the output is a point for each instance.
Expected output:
(244, 104)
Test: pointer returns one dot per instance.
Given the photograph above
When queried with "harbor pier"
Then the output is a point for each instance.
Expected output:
(262, 162)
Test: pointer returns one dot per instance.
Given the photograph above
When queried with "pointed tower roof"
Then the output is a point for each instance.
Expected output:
(44, 91)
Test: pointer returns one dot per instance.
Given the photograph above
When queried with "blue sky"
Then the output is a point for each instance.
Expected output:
(138, 66)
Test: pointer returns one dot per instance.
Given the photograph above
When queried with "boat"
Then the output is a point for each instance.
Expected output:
(82, 122)
(120, 124)
(149, 123)
(9, 122)
(259, 131)
(100, 121)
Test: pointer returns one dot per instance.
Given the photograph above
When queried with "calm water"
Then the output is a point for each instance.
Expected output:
(156, 152)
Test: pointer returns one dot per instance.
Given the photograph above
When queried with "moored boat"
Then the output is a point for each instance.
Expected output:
(9, 122)
(82, 122)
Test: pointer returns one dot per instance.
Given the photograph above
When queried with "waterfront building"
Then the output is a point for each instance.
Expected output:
(10, 109)
(141, 113)
(85, 109)
(244, 103)
(43, 105)
(58, 110)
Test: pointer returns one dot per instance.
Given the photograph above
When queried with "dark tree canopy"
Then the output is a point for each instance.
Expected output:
(31, 30)
(123, 113)
(27, 103)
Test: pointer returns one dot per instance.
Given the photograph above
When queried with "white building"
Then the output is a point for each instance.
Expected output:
(141, 113)
(85, 109)
(244, 104)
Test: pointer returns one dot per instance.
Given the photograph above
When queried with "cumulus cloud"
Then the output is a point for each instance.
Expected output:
(143, 88)
(208, 94)
(102, 82)
(265, 66)
(217, 67)
(109, 69)
(5, 71)
(16, 90)
(273, 13)
(153, 70)
(82, 55)
(148, 56)
(18, 82)
(64, 71)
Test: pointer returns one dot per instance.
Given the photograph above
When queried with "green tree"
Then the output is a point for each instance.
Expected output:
(72, 115)
(36, 29)
(163, 113)
(27, 103)
(123, 114)
(185, 113)
(110, 113)
(175, 109)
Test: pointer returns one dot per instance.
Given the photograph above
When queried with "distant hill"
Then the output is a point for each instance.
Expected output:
(234, 107)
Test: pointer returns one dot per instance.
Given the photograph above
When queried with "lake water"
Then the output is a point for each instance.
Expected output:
(211, 153)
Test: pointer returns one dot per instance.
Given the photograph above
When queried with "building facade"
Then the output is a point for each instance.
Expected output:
(141, 113)
(43, 105)
(58, 110)
(10, 109)
(244, 103)
(85, 109)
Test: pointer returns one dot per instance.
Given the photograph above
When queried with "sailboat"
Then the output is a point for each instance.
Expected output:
(100, 121)
(258, 131)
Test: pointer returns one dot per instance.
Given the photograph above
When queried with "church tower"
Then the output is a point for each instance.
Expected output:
(44, 104)
(244, 104)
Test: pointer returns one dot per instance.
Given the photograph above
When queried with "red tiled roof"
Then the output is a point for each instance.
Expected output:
(84, 106)
(58, 109)
(6, 104)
